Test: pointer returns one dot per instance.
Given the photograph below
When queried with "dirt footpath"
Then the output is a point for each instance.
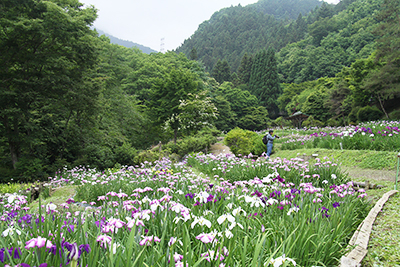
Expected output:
(219, 147)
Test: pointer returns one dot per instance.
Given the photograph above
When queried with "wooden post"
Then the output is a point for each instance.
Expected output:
(159, 150)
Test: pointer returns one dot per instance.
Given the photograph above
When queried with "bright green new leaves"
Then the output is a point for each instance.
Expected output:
(167, 95)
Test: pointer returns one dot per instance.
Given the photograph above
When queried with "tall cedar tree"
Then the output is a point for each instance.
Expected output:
(385, 82)
(244, 70)
(264, 81)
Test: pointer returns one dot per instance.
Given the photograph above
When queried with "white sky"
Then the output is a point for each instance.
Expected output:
(146, 22)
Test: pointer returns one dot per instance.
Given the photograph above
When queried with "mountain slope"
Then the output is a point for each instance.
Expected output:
(233, 31)
(129, 44)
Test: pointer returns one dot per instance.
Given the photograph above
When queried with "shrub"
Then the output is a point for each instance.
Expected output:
(310, 122)
(149, 155)
(240, 141)
(281, 122)
(369, 113)
(258, 146)
(332, 122)
(395, 115)
(199, 142)
(352, 118)
(125, 154)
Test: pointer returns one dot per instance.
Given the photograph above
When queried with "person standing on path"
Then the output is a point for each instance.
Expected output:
(270, 141)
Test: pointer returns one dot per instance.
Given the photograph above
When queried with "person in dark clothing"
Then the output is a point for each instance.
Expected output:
(270, 141)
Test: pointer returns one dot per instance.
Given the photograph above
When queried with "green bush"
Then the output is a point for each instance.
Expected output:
(310, 122)
(149, 155)
(352, 118)
(369, 113)
(332, 122)
(281, 122)
(240, 141)
(125, 154)
(258, 146)
(29, 169)
(196, 143)
(395, 115)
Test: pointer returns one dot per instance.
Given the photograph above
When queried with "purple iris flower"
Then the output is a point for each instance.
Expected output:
(15, 252)
(259, 194)
(27, 265)
(335, 205)
(191, 195)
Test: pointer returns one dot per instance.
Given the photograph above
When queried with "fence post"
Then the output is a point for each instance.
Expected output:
(397, 175)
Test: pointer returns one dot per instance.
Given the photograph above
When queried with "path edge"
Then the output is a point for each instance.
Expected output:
(361, 236)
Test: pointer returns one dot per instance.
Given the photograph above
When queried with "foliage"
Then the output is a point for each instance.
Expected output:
(234, 31)
(264, 80)
(222, 72)
(311, 122)
(244, 142)
(296, 214)
(384, 82)
(369, 113)
(186, 145)
(197, 112)
(239, 108)
(377, 136)
(12, 188)
(395, 115)
(47, 54)
(254, 119)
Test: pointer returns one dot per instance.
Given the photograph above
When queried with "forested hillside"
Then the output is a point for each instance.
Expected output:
(332, 36)
(233, 31)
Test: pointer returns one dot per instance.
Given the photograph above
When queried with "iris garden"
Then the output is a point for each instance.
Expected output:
(204, 211)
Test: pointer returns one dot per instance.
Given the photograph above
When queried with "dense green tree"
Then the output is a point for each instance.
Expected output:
(315, 105)
(384, 83)
(226, 117)
(340, 100)
(244, 69)
(264, 81)
(325, 11)
(255, 119)
(167, 95)
(222, 72)
(196, 112)
(289, 92)
(234, 31)
(193, 54)
(47, 51)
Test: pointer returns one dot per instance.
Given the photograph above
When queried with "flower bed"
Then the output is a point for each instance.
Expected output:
(380, 136)
(164, 214)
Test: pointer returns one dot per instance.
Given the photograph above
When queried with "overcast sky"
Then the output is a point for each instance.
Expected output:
(146, 22)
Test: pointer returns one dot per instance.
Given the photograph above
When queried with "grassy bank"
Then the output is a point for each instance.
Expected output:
(366, 159)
